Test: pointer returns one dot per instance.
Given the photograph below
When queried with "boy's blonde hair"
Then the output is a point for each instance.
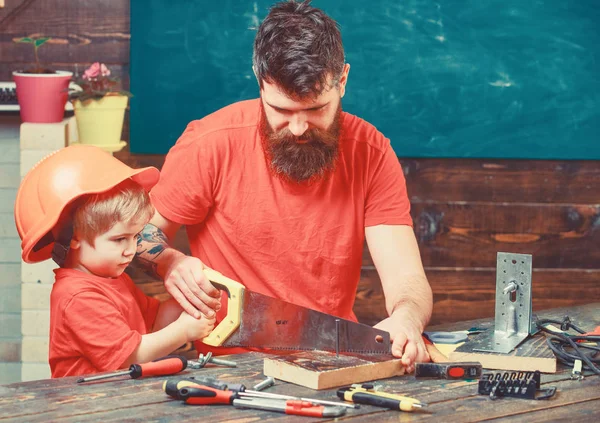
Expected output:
(96, 214)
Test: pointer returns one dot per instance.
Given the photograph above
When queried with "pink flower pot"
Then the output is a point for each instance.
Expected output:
(42, 97)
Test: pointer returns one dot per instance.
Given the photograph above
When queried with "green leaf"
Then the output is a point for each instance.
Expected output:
(24, 40)
(39, 41)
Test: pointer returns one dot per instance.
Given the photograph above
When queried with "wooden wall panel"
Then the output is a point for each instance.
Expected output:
(82, 32)
(469, 234)
(500, 181)
(465, 210)
(465, 294)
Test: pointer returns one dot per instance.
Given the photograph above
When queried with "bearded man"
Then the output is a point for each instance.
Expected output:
(281, 192)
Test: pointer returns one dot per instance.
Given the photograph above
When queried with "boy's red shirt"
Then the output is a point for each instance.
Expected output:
(96, 322)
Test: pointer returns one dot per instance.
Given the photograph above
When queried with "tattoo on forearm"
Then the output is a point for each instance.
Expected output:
(151, 242)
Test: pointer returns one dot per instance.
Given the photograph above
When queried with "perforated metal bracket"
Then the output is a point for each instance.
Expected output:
(513, 320)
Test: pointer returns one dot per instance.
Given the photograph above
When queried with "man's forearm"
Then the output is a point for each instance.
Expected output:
(415, 298)
(154, 254)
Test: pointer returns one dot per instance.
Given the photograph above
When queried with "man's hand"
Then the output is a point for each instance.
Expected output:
(186, 282)
(406, 335)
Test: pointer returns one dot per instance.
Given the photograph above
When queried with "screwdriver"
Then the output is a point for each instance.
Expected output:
(163, 366)
(201, 395)
(172, 388)
(204, 395)
(365, 394)
(294, 407)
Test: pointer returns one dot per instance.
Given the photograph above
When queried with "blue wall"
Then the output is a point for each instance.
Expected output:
(447, 78)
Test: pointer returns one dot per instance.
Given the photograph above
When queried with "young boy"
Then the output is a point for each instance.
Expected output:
(85, 208)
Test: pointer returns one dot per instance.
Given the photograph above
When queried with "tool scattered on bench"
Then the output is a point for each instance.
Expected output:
(311, 400)
(461, 370)
(366, 393)
(295, 407)
(578, 350)
(511, 343)
(513, 306)
(206, 395)
(268, 382)
(514, 384)
(163, 366)
(203, 360)
(172, 387)
(452, 337)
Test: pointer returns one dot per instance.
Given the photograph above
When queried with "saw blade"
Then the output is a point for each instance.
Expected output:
(267, 322)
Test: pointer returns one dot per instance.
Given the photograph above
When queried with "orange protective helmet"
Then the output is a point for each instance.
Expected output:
(56, 181)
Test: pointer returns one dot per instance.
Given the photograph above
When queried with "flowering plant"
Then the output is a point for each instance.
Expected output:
(96, 83)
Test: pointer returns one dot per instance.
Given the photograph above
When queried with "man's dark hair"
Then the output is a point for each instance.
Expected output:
(298, 47)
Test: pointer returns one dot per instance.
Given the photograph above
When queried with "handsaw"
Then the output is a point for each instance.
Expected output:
(258, 321)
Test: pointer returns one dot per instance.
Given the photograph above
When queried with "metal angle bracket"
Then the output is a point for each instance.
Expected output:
(513, 318)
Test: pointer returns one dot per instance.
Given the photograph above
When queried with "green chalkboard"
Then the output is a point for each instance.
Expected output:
(443, 78)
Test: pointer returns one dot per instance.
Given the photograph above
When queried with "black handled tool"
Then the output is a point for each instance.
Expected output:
(465, 370)
(172, 386)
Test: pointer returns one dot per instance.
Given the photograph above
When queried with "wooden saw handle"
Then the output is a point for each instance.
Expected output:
(231, 321)
(436, 355)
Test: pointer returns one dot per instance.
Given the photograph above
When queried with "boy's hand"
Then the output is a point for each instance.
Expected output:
(186, 282)
(196, 328)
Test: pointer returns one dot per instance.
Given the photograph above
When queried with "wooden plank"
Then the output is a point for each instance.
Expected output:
(470, 235)
(11, 11)
(500, 181)
(323, 370)
(467, 293)
(532, 354)
(80, 30)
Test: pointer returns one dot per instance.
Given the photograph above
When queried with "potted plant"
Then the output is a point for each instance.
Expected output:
(99, 106)
(41, 92)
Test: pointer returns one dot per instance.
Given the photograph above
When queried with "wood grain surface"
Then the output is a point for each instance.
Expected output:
(532, 354)
(142, 400)
(325, 370)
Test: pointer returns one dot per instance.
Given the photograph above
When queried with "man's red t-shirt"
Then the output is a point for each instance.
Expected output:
(96, 322)
(302, 243)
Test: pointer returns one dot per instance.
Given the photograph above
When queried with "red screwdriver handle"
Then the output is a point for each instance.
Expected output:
(303, 408)
(163, 366)
(201, 395)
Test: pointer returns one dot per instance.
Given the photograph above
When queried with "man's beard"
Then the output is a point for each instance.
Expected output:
(305, 161)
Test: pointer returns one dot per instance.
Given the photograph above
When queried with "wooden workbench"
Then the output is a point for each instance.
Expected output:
(142, 400)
